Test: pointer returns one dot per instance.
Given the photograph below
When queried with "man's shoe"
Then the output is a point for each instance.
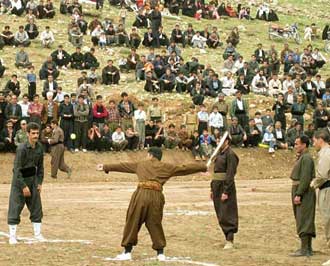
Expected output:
(229, 245)
(84, 150)
(327, 263)
(76, 150)
(161, 257)
(304, 250)
(124, 256)
(12, 241)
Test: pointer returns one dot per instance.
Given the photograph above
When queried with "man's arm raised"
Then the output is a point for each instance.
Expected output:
(124, 167)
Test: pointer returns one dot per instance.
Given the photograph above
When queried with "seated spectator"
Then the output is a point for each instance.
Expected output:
(49, 11)
(77, 59)
(76, 36)
(21, 37)
(31, 29)
(167, 81)
(184, 139)
(22, 58)
(326, 97)
(237, 133)
(198, 41)
(228, 84)
(93, 77)
(253, 135)
(94, 138)
(7, 138)
(188, 34)
(177, 35)
(149, 39)
(275, 86)
(8, 36)
(195, 145)
(16, 7)
(259, 83)
(21, 135)
(88, 88)
(242, 85)
(141, 19)
(161, 38)
(205, 143)
(106, 137)
(32, 7)
(213, 40)
(309, 132)
(13, 86)
(150, 134)
(122, 36)
(45, 135)
(90, 59)
(61, 57)
(132, 138)
(50, 85)
(267, 119)
(171, 137)
(110, 74)
(47, 38)
(134, 39)
(119, 141)
(280, 136)
(294, 132)
(198, 94)
(214, 86)
(269, 139)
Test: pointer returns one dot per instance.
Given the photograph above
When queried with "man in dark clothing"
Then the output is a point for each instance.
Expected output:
(28, 175)
(147, 202)
(303, 197)
(223, 192)
(110, 74)
(67, 117)
(77, 59)
(61, 57)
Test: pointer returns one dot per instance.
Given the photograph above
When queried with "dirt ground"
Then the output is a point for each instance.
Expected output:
(92, 206)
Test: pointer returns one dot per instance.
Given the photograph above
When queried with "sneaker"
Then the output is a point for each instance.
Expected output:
(229, 245)
(124, 256)
(12, 241)
(39, 237)
(161, 257)
(84, 150)
(76, 150)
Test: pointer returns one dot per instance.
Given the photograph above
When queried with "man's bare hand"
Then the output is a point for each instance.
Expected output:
(211, 195)
(224, 197)
(99, 167)
(297, 200)
(26, 192)
(39, 188)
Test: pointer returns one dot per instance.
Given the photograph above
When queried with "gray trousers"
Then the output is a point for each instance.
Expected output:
(324, 206)
(17, 202)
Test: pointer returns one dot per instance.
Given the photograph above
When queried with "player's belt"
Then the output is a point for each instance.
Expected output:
(152, 185)
(295, 182)
(219, 176)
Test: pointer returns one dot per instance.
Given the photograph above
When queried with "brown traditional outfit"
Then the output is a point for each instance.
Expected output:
(57, 152)
(147, 202)
(225, 167)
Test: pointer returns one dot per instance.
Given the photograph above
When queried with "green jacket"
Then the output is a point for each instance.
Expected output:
(234, 107)
(27, 157)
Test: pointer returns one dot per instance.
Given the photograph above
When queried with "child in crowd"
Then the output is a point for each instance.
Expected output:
(205, 144)
(32, 80)
(269, 139)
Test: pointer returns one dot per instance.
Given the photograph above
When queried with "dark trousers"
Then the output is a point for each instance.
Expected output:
(81, 129)
(17, 202)
(132, 142)
(226, 211)
(67, 126)
(32, 88)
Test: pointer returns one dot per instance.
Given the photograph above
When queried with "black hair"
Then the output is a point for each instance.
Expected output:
(32, 126)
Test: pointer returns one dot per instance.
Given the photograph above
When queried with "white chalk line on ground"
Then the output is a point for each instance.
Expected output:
(28, 240)
(188, 213)
(185, 260)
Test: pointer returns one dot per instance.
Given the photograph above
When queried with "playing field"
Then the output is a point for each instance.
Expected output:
(92, 207)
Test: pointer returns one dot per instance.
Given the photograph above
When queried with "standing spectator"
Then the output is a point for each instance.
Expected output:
(50, 109)
(35, 110)
(203, 119)
(100, 112)
(114, 116)
(298, 110)
(81, 112)
(25, 107)
(280, 108)
(154, 111)
(140, 118)
(32, 80)
(239, 109)
(216, 120)
(126, 111)
(66, 114)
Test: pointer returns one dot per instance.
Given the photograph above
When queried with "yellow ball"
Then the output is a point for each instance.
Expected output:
(73, 136)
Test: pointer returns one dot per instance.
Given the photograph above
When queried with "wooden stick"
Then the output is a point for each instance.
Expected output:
(217, 149)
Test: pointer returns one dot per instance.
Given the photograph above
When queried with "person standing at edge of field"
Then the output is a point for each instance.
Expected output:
(147, 202)
(322, 179)
(28, 175)
(303, 197)
(223, 191)
(57, 151)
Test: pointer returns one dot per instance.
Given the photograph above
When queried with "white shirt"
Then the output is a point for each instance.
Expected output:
(287, 84)
(25, 107)
(140, 115)
(240, 104)
(17, 4)
(227, 83)
(118, 137)
(290, 98)
(59, 97)
(203, 116)
(47, 36)
(275, 84)
(279, 133)
(216, 120)
(199, 38)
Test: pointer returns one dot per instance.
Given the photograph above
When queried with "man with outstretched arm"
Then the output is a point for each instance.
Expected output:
(147, 202)
(28, 175)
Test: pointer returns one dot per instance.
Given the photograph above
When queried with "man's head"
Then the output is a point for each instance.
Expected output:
(23, 125)
(124, 96)
(301, 144)
(54, 123)
(321, 138)
(33, 132)
(155, 152)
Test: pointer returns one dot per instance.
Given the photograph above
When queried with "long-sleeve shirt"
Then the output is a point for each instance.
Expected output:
(81, 112)
(140, 115)
(47, 36)
(21, 36)
(216, 120)
(203, 116)
(35, 109)
(323, 167)
(118, 137)
(155, 170)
